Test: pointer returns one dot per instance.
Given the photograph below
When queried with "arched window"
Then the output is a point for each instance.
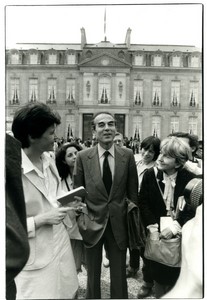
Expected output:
(104, 89)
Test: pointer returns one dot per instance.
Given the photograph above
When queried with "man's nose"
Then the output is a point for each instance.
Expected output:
(106, 126)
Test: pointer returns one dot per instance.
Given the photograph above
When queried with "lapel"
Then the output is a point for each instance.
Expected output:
(34, 179)
(92, 161)
(180, 184)
(120, 169)
(95, 172)
(160, 179)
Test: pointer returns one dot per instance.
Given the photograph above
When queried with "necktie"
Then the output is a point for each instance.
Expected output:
(107, 177)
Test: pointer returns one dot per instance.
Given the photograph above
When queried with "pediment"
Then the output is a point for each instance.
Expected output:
(104, 60)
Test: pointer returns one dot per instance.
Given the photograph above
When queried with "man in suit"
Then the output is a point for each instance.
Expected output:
(109, 179)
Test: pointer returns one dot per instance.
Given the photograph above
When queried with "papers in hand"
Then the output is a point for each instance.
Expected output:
(69, 196)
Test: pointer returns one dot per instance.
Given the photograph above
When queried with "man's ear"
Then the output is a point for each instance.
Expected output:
(30, 139)
(94, 132)
(193, 149)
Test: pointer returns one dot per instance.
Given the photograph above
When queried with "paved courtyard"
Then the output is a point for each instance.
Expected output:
(133, 284)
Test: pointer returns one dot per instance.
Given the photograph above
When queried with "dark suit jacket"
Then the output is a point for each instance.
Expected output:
(100, 206)
(17, 246)
(151, 203)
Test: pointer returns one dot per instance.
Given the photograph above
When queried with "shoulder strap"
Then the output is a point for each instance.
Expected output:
(67, 184)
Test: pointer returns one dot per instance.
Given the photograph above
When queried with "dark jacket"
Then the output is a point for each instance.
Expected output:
(152, 207)
(17, 246)
(100, 205)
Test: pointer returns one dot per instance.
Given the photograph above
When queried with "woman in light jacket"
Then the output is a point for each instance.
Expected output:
(50, 271)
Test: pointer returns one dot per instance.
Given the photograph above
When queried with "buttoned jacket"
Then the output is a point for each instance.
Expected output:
(101, 206)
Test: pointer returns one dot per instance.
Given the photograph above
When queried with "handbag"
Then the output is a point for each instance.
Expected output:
(163, 251)
(136, 230)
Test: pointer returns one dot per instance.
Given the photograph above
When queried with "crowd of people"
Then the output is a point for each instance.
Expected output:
(58, 241)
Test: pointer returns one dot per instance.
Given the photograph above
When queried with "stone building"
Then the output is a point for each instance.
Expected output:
(151, 89)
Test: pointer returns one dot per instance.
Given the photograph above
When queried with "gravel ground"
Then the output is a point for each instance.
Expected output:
(133, 284)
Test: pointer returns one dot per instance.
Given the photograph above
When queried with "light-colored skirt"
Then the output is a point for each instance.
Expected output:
(58, 280)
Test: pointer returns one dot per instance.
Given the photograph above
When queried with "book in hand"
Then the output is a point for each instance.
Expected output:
(69, 196)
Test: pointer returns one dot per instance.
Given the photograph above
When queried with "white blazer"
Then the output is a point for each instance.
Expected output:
(37, 202)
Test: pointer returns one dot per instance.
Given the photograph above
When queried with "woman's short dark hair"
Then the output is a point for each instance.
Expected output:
(154, 142)
(62, 167)
(33, 120)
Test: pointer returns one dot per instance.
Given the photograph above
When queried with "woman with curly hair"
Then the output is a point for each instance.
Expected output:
(65, 160)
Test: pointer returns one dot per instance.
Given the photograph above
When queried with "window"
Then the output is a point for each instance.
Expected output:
(51, 91)
(194, 62)
(33, 90)
(121, 54)
(156, 126)
(70, 127)
(137, 128)
(104, 89)
(138, 92)
(138, 60)
(15, 59)
(156, 93)
(70, 90)
(52, 59)
(193, 99)
(88, 54)
(33, 59)
(88, 88)
(175, 93)
(71, 59)
(176, 61)
(174, 124)
(157, 61)
(192, 126)
(14, 91)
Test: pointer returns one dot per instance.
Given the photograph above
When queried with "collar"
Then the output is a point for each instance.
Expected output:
(27, 165)
(101, 150)
(171, 177)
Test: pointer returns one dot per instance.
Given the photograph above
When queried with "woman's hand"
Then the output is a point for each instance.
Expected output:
(166, 233)
(77, 204)
(52, 217)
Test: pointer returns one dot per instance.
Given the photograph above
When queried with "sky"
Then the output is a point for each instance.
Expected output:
(178, 24)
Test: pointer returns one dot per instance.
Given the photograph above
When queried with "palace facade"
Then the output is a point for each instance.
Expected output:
(151, 89)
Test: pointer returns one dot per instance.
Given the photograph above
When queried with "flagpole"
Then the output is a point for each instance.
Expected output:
(105, 24)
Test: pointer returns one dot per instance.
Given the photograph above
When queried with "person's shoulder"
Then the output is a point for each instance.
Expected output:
(124, 150)
(138, 157)
(151, 171)
(192, 168)
(189, 172)
(87, 151)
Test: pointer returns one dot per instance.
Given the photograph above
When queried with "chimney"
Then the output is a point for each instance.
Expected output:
(127, 39)
(83, 37)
